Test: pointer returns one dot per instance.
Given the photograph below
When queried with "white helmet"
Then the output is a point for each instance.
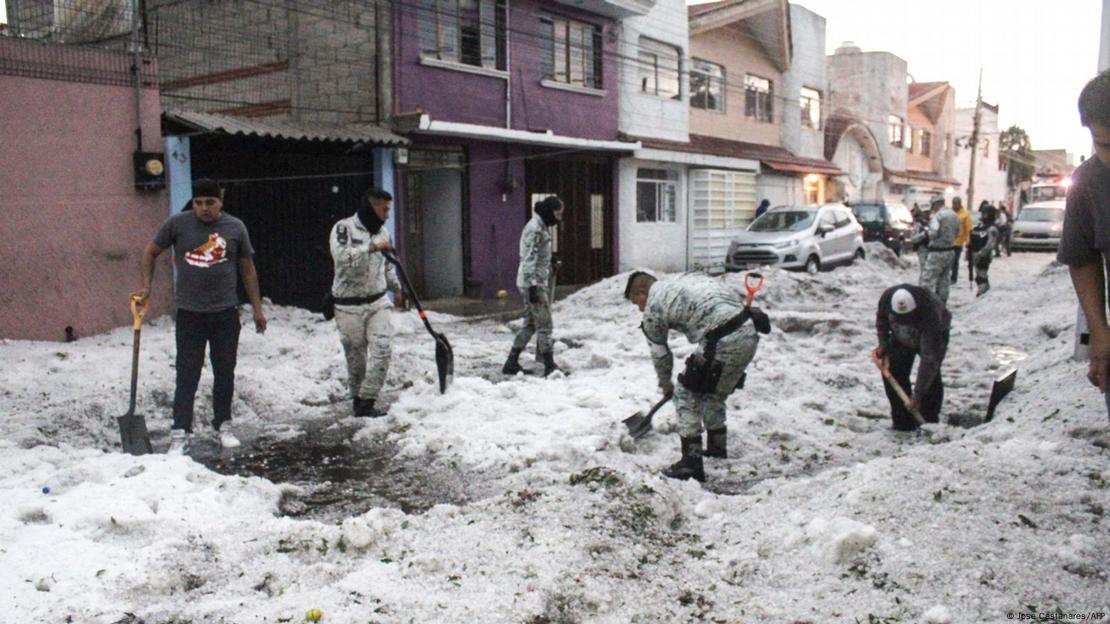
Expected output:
(903, 302)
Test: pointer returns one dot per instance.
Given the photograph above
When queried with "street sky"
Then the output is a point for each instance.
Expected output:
(1035, 56)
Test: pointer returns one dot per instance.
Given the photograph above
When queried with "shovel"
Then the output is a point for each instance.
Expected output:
(1001, 387)
(897, 387)
(132, 427)
(445, 356)
(640, 425)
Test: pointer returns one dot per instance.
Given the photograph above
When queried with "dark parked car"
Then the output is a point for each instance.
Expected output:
(887, 222)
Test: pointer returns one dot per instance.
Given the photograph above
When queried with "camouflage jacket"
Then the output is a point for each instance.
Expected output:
(944, 226)
(535, 255)
(358, 272)
(692, 304)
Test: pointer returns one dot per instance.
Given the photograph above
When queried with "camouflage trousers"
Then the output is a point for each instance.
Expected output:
(936, 275)
(693, 410)
(922, 256)
(982, 263)
(364, 332)
(537, 321)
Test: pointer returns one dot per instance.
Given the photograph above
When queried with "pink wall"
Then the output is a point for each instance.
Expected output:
(72, 226)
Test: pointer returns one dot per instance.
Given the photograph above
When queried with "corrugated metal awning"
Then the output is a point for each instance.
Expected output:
(288, 129)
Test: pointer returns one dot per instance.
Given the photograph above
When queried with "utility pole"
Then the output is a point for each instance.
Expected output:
(974, 144)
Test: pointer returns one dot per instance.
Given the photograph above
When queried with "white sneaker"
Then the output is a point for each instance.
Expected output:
(227, 438)
(179, 442)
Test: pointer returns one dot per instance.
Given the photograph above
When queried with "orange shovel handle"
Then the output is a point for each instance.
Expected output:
(139, 307)
(753, 282)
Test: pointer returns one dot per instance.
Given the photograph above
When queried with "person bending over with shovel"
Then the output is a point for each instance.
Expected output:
(912, 321)
(363, 274)
(212, 251)
(714, 317)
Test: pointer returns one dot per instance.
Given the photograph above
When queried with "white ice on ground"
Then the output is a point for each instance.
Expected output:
(838, 520)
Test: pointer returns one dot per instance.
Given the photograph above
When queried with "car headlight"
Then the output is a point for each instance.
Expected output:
(786, 244)
(1017, 232)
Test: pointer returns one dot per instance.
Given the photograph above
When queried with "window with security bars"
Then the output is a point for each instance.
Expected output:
(659, 69)
(573, 52)
(758, 96)
(810, 100)
(707, 85)
(597, 221)
(656, 195)
(926, 142)
(471, 32)
(895, 130)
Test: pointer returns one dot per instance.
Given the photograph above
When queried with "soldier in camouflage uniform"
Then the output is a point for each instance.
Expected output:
(534, 279)
(983, 244)
(943, 228)
(362, 277)
(697, 306)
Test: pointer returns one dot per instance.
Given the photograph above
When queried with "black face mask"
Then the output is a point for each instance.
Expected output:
(546, 210)
(370, 219)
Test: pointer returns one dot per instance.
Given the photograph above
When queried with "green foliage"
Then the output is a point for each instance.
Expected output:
(1016, 148)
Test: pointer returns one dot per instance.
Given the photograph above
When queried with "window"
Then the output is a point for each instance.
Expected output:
(811, 108)
(926, 142)
(597, 221)
(707, 85)
(471, 32)
(910, 132)
(573, 52)
(656, 193)
(659, 69)
(757, 98)
(895, 131)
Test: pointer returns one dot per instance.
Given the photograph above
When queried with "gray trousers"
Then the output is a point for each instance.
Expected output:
(537, 321)
(735, 351)
(364, 332)
(936, 276)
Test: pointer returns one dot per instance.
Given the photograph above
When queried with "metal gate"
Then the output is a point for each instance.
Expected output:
(584, 240)
(289, 203)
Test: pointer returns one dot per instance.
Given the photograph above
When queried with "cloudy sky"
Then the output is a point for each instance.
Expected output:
(1035, 56)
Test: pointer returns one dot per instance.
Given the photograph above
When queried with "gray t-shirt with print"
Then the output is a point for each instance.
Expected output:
(206, 256)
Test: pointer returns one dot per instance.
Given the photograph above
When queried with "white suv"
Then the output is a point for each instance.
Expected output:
(798, 237)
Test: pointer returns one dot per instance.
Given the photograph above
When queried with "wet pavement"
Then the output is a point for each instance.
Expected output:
(337, 477)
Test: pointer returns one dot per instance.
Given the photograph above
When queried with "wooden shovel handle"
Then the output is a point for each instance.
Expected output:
(139, 306)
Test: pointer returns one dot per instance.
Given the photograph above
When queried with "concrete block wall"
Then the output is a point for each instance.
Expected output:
(871, 86)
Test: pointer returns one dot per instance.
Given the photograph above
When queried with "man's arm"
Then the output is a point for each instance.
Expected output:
(150, 254)
(1090, 286)
(529, 259)
(249, 275)
(661, 357)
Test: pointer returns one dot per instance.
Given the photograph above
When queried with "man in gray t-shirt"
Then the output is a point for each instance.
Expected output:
(1085, 242)
(212, 251)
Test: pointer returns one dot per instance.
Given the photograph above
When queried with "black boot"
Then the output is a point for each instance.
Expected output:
(549, 365)
(716, 443)
(690, 466)
(512, 364)
(366, 409)
(356, 405)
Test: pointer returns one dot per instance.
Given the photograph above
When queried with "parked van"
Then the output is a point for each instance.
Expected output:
(798, 237)
(888, 223)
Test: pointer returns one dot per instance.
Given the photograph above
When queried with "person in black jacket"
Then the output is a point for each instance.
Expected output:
(912, 321)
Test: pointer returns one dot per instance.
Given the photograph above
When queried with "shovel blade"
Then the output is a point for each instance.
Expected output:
(638, 425)
(1002, 386)
(134, 438)
(445, 362)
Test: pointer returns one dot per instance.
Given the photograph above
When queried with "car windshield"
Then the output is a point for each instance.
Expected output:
(783, 221)
(868, 214)
(1042, 215)
(900, 214)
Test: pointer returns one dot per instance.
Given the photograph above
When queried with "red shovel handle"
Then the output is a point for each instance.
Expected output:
(753, 282)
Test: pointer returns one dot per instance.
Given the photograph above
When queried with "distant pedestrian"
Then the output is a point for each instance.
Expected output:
(1004, 222)
(919, 236)
(1083, 244)
(212, 253)
(362, 310)
(943, 227)
(984, 241)
(763, 207)
(911, 322)
(962, 237)
(535, 280)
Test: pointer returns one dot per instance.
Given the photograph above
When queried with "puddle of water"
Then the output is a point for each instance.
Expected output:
(339, 478)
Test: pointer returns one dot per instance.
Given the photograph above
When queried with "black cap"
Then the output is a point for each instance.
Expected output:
(207, 187)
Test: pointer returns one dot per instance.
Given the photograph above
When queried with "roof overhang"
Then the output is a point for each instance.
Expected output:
(616, 9)
(703, 161)
(920, 178)
(211, 123)
(768, 21)
(806, 168)
(547, 138)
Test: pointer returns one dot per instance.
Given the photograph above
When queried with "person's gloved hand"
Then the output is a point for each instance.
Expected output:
(667, 386)
(761, 321)
(534, 294)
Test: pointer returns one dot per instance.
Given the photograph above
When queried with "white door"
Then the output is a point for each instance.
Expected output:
(722, 203)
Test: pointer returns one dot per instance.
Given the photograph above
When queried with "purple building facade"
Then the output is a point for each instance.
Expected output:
(506, 102)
